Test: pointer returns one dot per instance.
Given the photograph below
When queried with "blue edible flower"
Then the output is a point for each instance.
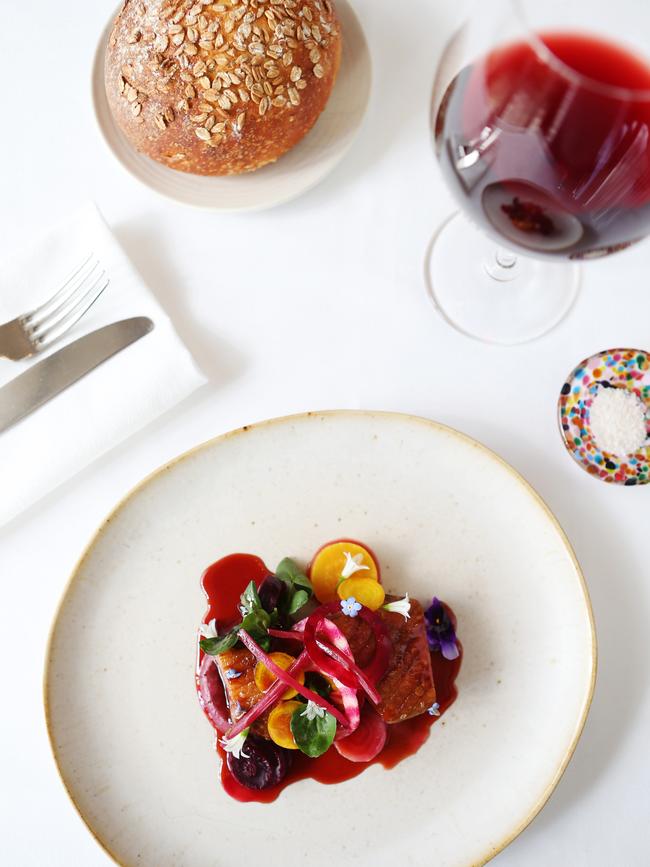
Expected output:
(350, 607)
(434, 710)
(233, 674)
(440, 631)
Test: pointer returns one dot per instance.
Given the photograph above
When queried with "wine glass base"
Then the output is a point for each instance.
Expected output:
(511, 302)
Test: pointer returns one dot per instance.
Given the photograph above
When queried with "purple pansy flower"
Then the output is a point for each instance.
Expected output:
(440, 631)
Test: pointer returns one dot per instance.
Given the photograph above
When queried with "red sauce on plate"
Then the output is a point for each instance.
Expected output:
(223, 583)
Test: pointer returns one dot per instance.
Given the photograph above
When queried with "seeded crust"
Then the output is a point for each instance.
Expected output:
(220, 88)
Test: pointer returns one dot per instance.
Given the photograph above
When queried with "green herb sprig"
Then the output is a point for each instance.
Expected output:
(313, 735)
(299, 589)
(256, 621)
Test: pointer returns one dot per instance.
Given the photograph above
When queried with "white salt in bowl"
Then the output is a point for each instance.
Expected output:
(604, 416)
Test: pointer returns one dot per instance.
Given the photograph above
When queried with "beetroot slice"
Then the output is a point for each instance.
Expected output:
(212, 697)
(261, 765)
(364, 744)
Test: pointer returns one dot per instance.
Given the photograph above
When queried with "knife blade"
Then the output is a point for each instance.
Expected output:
(63, 368)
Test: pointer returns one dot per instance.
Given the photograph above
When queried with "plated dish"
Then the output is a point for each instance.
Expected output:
(299, 169)
(318, 662)
(443, 515)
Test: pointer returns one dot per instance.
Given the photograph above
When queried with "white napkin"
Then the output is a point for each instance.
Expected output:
(112, 402)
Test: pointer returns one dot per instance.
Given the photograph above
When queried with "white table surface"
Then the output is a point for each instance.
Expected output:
(274, 339)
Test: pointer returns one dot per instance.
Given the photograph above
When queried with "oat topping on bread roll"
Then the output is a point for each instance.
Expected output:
(220, 88)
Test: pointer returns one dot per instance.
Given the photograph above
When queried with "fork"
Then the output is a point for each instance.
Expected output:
(37, 330)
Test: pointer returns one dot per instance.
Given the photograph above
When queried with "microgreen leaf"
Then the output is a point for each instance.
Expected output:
(215, 646)
(257, 624)
(249, 600)
(313, 736)
(289, 572)
(299, 598)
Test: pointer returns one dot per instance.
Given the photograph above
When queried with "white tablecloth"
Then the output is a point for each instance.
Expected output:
(274, 341)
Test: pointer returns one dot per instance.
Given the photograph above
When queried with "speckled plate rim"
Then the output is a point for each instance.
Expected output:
(101, 114)
(379, 414)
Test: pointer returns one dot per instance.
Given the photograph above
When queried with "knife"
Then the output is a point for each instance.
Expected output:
(54, 374)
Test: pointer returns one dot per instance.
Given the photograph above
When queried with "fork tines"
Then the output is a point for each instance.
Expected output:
(65, 308)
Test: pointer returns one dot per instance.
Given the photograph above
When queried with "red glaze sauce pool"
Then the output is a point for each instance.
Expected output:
(223, 584)
(225, 581)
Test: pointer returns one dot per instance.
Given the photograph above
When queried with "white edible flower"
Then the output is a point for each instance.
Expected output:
(400, 606)
(352, 564)
(236, 745)
(209, 630)
(313, 710)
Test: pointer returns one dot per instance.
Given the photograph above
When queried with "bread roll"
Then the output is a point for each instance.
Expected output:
(220, 88)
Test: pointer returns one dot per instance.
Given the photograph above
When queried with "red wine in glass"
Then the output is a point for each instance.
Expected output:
(547, 144)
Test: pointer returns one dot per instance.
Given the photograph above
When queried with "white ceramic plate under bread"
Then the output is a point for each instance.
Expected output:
(445, 516)
(293, 174)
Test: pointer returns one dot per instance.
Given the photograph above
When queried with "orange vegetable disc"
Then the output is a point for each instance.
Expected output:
(327, 567)
(366, 591)
(280, 724)
(265, 678)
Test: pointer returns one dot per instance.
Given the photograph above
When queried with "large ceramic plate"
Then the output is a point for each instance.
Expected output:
(444, 515)
(293, 174)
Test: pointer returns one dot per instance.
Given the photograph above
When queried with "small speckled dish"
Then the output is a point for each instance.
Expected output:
(302, 168)
(613, 368)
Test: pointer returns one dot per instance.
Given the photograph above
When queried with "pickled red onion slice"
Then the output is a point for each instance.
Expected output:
(344, 668)
(339, 662)
(322, 660)
(287, 636)
(287, 678)
(347, 662)
(348, 694)
(343, 660)
(273, 693)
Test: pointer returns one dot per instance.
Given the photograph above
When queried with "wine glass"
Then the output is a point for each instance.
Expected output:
(541, 119)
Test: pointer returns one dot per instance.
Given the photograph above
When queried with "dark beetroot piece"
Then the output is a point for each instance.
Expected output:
(270, 592)
(265, 764)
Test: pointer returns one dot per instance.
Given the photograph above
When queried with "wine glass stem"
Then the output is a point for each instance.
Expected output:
(503, 265)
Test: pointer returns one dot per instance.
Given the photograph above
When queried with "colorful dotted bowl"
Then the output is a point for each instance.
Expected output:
(621, 368)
